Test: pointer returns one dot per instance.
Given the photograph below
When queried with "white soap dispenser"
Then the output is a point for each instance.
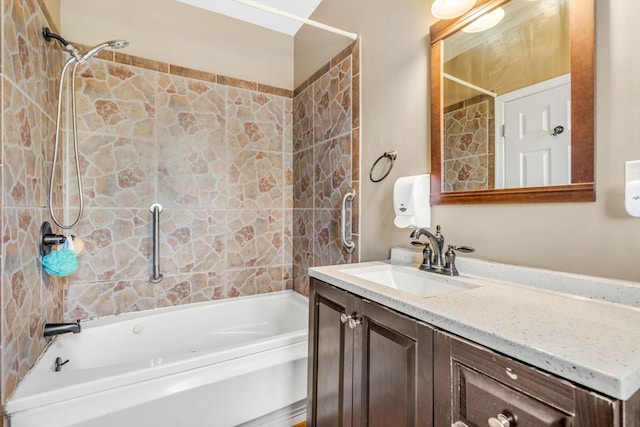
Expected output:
(411, 202)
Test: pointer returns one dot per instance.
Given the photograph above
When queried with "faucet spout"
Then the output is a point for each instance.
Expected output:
(437, 242)
(52, 329)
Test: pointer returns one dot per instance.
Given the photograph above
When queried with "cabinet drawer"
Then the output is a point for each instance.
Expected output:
(481, 400)
(477, 385)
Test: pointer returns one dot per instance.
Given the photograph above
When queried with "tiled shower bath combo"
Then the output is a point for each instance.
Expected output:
(250, 178)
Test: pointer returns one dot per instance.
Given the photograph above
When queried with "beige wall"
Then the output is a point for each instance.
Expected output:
(591, 238)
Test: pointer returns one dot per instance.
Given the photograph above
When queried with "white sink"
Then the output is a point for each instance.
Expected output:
(409, 279)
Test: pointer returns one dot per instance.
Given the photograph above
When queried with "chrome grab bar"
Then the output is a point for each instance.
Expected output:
(155, 209)
(348, 244)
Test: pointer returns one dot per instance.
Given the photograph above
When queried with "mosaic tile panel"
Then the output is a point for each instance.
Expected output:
(256, 238)
(326, 155)
(303, 120)
(190, 112)
(467, 173)
(252, 281)
(328, 249)
(122, 296)
(332, 176)
(28, 301)
(256, 121)
(23, 152)
(28, 61)
(303, 186)
(117, 245)
(192, 155)
(255, 180)
(30, 68)
(332, 102)
(288, 153)
(192, 176)
(116, 171)
(194, 241)
(303, 249)
(115, 99)
(468, 146)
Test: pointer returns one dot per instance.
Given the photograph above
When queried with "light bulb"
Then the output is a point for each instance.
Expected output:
(485, 22)
(449, 9)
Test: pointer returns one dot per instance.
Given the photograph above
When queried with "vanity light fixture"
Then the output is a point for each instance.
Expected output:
(485, 22)
(449, 9)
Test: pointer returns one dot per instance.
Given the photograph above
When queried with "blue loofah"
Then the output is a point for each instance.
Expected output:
(60, 263)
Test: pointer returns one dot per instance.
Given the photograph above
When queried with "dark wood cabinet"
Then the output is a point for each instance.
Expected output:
(479, 387)
(368, 365)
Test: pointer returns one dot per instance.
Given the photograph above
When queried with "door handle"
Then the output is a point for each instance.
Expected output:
(557, 130)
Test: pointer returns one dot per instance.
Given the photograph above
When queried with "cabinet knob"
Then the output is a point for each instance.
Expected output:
(353, 320)
(505, 419)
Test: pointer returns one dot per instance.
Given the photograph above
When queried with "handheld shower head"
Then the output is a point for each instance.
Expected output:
(113, 44)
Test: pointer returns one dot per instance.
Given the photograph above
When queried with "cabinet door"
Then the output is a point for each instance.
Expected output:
(476, 387)
(330, 357)
(392, 374)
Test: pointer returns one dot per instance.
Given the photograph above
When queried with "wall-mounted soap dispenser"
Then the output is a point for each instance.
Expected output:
(632, 188)
(411, 202)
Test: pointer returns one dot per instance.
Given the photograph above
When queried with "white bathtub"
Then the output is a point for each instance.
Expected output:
(241, 361)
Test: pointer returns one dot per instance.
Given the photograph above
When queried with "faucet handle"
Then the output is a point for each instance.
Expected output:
(450, 258)
(463, 249)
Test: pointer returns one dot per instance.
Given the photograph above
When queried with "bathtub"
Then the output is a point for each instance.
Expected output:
(241, 361)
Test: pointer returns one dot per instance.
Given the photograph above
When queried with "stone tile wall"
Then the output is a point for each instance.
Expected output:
(326, 147)
(469, 153)
(28, 84)
(215, 152)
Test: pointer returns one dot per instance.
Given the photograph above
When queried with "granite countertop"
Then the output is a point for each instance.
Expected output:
(581, 328)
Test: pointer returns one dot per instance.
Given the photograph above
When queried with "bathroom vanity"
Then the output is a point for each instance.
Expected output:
(499, 346)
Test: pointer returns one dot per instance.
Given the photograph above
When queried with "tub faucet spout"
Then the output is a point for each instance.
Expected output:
(437, 242)
(51, 329)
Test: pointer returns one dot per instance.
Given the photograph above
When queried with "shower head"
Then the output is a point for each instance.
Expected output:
(82, 58)
(113, 44)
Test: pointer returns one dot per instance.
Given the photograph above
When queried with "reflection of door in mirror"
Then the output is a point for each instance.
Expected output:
(534, 145)
(528, 46)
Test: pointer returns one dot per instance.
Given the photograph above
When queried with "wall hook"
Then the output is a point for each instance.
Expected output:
(48, 238)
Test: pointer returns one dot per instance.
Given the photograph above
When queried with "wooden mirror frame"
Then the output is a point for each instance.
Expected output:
(582, 187)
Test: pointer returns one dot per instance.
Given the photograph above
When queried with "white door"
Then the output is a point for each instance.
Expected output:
(537, 138)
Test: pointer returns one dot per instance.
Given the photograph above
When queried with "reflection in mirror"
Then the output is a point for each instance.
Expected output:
(505, 88)
(512, 103)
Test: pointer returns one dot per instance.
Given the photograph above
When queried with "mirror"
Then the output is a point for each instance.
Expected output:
(512, 106)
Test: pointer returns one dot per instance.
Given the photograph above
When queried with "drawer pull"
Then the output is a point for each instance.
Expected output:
(505, 419)
(353, 320)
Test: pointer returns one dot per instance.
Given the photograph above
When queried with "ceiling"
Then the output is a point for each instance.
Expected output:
(254, 15)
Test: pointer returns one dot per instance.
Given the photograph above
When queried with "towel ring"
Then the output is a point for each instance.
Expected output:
(391, 155)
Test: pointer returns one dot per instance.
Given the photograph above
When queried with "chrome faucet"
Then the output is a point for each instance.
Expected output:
(437, 241)
(433, 260)
(51, 329)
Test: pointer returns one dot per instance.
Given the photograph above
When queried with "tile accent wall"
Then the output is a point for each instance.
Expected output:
(469, 152)
(215, 152)
(29, 74)
(326, 147)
